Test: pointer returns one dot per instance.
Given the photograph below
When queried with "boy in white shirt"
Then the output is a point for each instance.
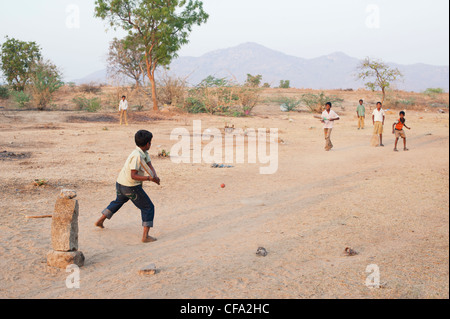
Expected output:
(378, 117)
(123, 107)
(328, 118)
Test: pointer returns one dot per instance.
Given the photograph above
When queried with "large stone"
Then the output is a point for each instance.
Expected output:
(65, 225)
(62, 259)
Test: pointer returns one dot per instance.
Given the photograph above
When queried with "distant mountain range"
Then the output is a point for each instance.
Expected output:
(333, 71)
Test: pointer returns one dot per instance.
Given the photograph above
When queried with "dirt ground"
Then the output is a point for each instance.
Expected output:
(392, 208)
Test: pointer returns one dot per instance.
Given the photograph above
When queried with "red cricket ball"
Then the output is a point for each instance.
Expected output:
(223, 185)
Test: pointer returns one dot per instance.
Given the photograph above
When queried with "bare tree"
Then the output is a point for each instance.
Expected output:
(126, 58)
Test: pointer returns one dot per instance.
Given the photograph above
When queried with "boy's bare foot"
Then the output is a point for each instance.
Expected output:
(406, 149)
(395, 150)
(99, 224)
(149, 239)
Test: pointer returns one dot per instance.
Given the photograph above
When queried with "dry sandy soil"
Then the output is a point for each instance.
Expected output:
(392, 208)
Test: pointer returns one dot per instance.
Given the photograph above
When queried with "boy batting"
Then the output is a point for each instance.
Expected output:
(129, 185)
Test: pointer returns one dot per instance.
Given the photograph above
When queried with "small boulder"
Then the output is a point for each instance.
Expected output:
(148, 270)
(68, 193)
(60, 259)
(261, 252)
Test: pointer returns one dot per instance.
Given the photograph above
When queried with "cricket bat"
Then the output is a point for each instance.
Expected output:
(375, 140)
(147, 169)
(321, 117)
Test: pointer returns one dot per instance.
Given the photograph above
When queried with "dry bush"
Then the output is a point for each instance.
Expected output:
(171, 90)
(248, 98)
(416, 101)
(219, 96)
(90, 88)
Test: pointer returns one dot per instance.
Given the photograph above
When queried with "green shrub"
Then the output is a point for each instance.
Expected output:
(194, 105)
(288, 104)
(433, 91)
(85, 104)
(4, 93)
(316, 102)
(21, 98)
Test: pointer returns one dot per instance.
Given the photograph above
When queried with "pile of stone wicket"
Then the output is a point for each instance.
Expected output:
(65, 232)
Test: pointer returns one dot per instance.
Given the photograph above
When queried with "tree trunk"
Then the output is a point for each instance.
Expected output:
(155, 100)
(151, 77)
(384, 95)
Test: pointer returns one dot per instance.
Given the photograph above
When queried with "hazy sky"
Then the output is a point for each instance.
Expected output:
(401, 31)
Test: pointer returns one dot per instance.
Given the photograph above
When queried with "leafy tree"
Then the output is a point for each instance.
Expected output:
(126, 57)
(17, 59)
(161, 27)
(285, 84)
(379, 74)
(45, 80)
(253, 81)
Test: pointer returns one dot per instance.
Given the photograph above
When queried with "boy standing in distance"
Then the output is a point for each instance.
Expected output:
(378, 117)
(328, 118)
(361, 113)
(129, 185)
(397, 129)
(123, 108)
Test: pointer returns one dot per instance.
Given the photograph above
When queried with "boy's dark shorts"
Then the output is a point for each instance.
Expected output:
(139, 198)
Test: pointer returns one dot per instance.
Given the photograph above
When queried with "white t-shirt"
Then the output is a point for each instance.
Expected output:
(378, 115)
(123, 105)
(331, 115)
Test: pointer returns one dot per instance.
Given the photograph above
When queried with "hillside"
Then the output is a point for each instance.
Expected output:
(334, 71)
